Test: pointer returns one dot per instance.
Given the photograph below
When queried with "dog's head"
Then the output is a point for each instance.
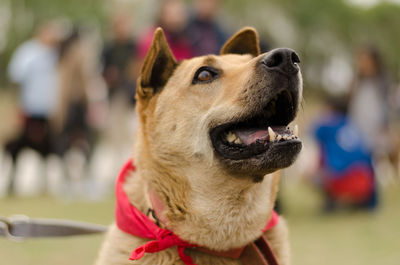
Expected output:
(210, 129)
(228, 112)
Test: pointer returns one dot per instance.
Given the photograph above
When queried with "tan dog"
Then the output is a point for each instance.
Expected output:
(204, 146)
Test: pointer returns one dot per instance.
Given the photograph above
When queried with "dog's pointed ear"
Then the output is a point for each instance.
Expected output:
(157, 67)
(245, 41)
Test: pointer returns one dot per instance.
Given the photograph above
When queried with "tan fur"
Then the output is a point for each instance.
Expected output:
(205, 204)
(243, 42)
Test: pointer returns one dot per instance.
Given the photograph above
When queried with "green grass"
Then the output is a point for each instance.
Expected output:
(68, 250)
(358, 238)
(354, 238)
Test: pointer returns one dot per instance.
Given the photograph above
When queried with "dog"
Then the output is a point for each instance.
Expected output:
(213, 131)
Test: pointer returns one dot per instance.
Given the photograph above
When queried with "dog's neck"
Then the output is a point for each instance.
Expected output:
(233, 211)
(228, 212)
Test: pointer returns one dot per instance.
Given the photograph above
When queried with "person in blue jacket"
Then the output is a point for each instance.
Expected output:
(346, 171)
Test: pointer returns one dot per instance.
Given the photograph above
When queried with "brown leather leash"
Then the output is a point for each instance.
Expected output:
(258, 252)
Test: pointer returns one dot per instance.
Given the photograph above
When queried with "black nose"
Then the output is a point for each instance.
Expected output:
(283, 60)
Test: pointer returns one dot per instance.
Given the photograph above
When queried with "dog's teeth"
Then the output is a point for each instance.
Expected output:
(231, 137)
(271, 134)
(296, 131)
(238, 141)
(279, 137)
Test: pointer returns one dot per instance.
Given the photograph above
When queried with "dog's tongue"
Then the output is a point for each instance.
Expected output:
(250, 136)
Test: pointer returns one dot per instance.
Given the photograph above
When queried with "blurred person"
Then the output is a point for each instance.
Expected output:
(172, 18)
(33, 67)
(206, 35)
(70, 116)
(120, 70)
(81, 89)
(368, 106)
(346, 175)
(118, 58)
(370, 109)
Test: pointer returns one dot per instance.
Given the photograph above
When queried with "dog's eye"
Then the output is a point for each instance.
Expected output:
(205, 75)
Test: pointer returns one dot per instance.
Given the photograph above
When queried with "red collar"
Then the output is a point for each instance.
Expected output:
(132, 221)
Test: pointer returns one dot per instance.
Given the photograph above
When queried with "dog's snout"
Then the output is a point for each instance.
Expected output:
(283, 60)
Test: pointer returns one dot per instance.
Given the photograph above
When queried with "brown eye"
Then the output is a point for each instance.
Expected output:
(205, 74)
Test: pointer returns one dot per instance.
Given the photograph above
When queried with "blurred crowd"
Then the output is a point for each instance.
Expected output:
(76, 103)
(357, 139)
(77, 116)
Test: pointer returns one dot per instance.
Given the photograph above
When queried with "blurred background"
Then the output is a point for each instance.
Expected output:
(67, 84)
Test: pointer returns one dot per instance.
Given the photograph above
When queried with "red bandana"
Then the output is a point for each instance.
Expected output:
(132, 221)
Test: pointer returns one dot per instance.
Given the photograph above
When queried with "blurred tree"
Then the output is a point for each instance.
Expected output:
(26, 14)
(318, 30)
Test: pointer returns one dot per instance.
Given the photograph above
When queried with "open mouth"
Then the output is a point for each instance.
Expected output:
(261, 131)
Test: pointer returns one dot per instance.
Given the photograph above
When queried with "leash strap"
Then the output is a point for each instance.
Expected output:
(18, 228)
(21, 227)
(258, 252)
